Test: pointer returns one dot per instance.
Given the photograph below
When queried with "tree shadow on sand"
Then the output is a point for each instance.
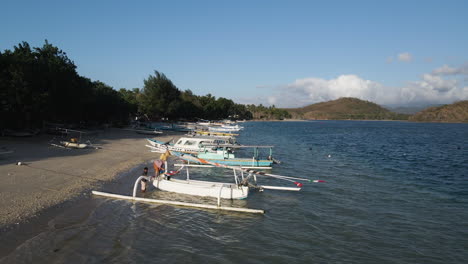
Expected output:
(36, 148)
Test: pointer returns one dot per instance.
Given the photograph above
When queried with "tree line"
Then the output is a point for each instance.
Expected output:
(268, 113)
(41, 84)
(160, 98)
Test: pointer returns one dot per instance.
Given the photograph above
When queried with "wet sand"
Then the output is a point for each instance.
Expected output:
(50, 175)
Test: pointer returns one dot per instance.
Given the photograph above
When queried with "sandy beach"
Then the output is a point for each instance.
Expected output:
(51, 175)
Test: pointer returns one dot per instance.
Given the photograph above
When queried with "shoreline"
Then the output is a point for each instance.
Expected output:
(51, 176)
(65, 214)
(370, 120)
(309, 120)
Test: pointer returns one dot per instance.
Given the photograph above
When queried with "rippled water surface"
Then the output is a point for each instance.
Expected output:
(394, 193)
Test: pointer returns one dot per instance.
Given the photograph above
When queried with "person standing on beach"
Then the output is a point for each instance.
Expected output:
(144, 181)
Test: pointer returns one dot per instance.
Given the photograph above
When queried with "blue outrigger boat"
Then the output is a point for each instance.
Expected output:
(224, 155)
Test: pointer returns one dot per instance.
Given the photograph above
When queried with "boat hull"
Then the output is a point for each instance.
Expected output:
(231, 161)
(203, 188)
(243, 162)
(73, 145)
(223, 130)
(162, 147)
(197, 145)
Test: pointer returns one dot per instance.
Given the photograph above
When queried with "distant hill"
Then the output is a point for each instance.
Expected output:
(410, 110)
(452, 113)
(345, 109)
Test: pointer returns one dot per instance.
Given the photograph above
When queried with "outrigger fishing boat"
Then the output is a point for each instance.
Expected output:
(238, 190)
(224, 155)
(189, 144)
(225, 128)
(218, 150)
(212, 134)
(73, 142)
(166, 182)
(175, 127)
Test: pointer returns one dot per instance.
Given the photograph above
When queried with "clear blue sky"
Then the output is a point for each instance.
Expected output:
(285, 52)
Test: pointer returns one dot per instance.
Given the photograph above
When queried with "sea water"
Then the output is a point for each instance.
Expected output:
(395, 192)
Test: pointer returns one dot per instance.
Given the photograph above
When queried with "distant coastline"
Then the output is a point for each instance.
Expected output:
(369, 120)
(360, 110)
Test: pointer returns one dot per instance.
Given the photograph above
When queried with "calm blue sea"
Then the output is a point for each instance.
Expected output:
(395, 192)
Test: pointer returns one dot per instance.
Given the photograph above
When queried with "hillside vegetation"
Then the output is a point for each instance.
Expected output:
(345, 109)
(452, 113)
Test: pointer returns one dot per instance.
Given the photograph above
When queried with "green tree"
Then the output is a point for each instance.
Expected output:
(161, 97)
(41, 84)
(131, 97)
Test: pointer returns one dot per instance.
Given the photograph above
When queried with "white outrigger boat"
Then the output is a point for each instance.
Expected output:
(224, 154)
(201, 188)
(191, 145)
(196, 133)
(71, 144)
(225, 128)
(218, 150)
(238, 190)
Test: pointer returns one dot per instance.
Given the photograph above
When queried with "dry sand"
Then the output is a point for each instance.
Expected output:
(51, 175)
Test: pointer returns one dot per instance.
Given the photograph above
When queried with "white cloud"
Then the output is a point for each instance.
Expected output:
(431, 88)
(447, 70)
(406, 57)
(431, 82)
(434, 89)
(311, 90)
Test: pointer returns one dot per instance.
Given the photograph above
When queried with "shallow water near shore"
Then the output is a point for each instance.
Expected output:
(395, 192)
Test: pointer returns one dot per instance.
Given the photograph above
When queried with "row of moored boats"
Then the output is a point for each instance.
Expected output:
(206, 145)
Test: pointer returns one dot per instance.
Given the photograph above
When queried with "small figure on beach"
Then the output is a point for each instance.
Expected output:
(144, 181)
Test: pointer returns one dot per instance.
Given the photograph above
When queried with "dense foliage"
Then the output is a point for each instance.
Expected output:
(261, 112)
(160, 98)
(40, 85)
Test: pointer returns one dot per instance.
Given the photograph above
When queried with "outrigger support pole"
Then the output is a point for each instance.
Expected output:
(135, 186)
(219, 195)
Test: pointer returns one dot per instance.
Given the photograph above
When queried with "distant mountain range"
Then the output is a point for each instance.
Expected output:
(355, 109)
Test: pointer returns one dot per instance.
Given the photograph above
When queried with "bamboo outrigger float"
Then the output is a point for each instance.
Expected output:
(175, 203)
